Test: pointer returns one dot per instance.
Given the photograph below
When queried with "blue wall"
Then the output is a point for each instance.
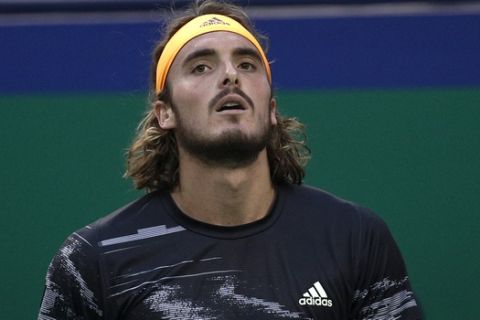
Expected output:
(349, 52)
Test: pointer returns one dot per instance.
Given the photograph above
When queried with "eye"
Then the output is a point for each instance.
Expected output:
(247, 66)
(201, 68)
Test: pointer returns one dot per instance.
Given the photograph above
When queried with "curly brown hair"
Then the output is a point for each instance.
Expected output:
(152, 159)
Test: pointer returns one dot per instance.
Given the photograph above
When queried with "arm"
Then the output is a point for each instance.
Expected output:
(383, 290)
(73, 283)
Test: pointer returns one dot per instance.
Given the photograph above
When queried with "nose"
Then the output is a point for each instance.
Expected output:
(231, 76)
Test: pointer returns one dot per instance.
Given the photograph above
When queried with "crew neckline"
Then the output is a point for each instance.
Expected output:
(225, 232)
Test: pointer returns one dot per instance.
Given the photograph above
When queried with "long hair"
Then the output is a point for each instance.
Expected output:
(152, 159)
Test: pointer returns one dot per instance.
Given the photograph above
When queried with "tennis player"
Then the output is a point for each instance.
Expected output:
(226, 229)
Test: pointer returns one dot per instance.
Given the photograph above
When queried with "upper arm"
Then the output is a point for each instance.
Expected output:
(73, 287)
(383, 289)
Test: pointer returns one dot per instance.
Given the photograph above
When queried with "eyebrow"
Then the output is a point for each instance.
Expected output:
(247, 52)
(199, 54)
(210, 52)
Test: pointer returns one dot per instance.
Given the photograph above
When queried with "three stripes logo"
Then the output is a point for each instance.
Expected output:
(315, 296)
(214, 21)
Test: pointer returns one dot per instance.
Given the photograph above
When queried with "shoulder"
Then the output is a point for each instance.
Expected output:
(122, 221)
(308, 198)
(320, 207)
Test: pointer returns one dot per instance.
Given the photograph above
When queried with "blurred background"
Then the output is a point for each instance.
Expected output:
(389, 93)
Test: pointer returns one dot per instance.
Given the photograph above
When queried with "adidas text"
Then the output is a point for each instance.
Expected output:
(315, 302)
(315, 296)
(214, 21)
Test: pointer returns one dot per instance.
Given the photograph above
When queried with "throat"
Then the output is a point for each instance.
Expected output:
(228, 198)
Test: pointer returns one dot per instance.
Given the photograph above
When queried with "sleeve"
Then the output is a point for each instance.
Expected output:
(73, 283)
(383, 290)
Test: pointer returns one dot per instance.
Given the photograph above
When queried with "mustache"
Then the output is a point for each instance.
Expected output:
(226, 92)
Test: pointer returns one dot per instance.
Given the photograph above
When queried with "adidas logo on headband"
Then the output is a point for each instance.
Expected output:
(214, 21)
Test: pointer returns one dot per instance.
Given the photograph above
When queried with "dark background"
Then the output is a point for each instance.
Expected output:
(389, 94)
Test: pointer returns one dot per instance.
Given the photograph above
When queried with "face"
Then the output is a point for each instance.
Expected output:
(221, 108)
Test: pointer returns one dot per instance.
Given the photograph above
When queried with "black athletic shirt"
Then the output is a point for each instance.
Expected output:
(314, 256)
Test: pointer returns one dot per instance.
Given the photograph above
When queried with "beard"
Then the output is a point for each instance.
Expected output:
(232, 149)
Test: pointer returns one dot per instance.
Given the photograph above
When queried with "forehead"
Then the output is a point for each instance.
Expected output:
(220, 41)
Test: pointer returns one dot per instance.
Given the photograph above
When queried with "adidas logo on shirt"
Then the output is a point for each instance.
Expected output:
(315, 296)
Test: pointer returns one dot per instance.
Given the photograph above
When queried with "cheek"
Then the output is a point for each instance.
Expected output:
(260, 89)
(187, 101)
(181, 95)
(263, 99)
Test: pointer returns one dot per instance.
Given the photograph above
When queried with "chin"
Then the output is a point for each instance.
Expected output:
(230, 148)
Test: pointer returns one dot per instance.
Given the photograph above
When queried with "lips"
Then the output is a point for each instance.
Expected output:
(229, 103)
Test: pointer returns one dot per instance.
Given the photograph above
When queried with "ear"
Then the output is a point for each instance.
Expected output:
(165, 115)
(273, 111)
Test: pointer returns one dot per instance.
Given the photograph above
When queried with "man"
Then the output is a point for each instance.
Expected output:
(226, 231)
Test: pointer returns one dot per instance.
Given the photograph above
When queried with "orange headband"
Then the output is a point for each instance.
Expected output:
(194, 28)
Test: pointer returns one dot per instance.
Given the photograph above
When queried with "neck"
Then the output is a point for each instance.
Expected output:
(223, 196)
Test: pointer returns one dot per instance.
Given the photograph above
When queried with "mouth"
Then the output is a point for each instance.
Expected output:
(230, 104)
